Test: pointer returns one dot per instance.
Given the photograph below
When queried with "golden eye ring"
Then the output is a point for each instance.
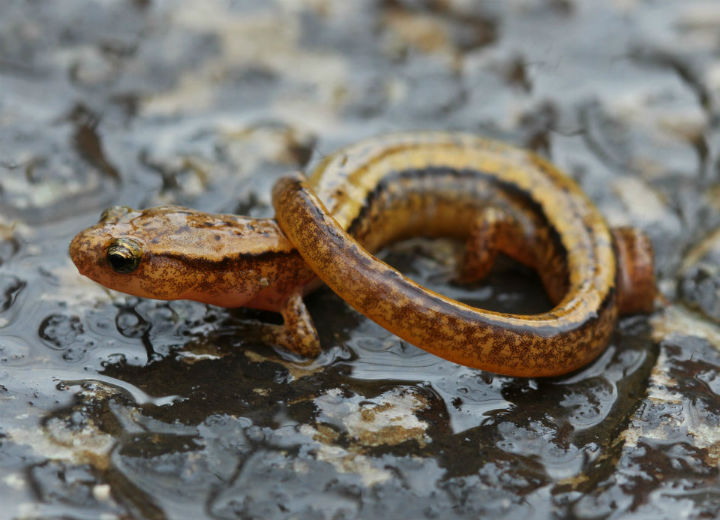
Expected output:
(124, 255)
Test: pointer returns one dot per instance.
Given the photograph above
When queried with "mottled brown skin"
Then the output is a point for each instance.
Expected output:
(498, 198)
(224, 260)
(502, 199)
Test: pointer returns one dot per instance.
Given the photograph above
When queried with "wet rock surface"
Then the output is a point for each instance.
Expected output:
(114, 407)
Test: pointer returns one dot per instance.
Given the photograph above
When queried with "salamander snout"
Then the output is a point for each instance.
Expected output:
(83, 252)
(105, 249)
(635, 270)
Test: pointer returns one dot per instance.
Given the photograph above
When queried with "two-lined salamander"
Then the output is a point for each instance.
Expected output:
(496, 197)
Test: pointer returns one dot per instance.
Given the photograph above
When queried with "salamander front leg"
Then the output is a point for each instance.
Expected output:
(297, 333)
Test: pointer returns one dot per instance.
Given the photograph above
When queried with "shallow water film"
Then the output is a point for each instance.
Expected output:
(114, 407)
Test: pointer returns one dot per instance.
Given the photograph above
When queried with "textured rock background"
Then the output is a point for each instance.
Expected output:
(118, 408)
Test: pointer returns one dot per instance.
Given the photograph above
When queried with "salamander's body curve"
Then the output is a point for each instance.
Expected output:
(497, 197)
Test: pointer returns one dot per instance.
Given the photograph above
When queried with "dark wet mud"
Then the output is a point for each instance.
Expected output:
(115, 407)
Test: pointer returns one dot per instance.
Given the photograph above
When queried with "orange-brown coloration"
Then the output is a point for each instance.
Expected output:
(636, 277)
(223, 260)
(218, 259)
(377, 191)
(547, 223)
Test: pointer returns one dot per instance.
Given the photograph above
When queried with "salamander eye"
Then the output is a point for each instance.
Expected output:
(114, 212)
(123, 255)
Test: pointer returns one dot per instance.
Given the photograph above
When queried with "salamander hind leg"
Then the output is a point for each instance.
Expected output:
(635, 271)
(297, 334)
(492, 232)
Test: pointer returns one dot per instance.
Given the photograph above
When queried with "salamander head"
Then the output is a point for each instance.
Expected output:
(174, 253)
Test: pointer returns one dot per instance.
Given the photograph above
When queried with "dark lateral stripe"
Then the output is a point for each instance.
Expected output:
(510, 188)
(201, 263)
